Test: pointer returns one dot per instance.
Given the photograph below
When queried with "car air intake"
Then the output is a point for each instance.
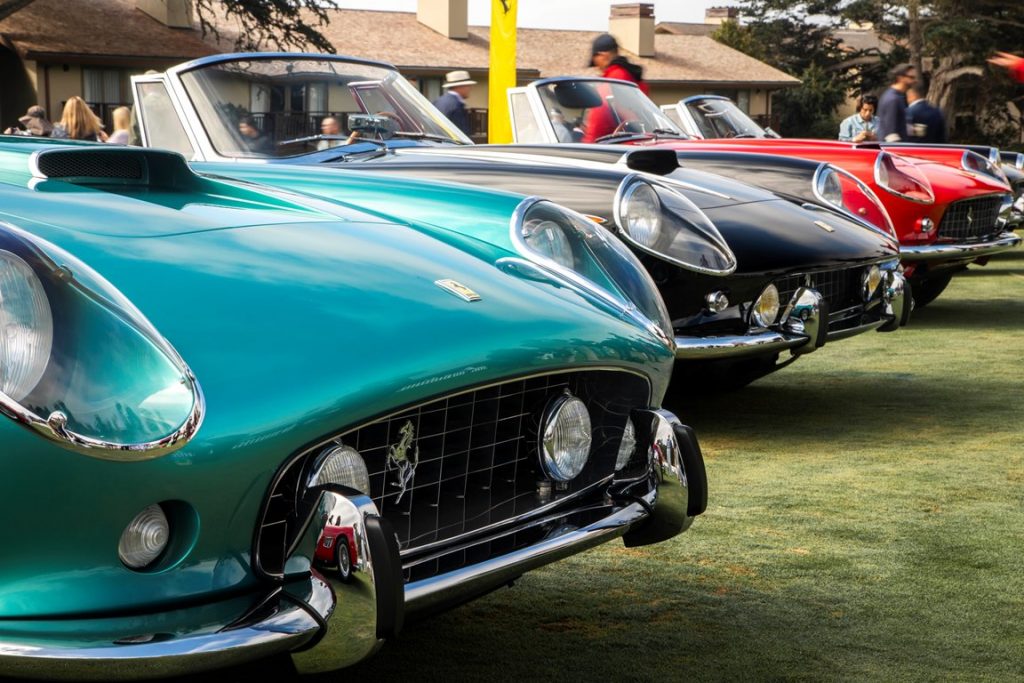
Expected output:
(114, 166)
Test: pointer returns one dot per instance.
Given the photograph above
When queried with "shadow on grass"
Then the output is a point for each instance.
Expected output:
(970, 315)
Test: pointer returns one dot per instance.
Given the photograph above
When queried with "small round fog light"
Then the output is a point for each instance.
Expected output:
(627, 446)
(341, 465)
(716, 302)
(766, 309)
(925, 224)
(566, 437)
(145, 538)
(871, 279)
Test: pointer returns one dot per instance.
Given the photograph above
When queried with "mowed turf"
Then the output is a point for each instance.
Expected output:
(865, 522)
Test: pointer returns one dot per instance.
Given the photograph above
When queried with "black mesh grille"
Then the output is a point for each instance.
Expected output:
(476, 463)
(841, 288)
(971, 218)
(105, 165)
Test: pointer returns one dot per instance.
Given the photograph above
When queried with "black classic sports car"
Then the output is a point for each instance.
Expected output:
(747, 274)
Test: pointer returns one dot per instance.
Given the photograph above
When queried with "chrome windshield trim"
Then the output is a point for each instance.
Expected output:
(937, 252)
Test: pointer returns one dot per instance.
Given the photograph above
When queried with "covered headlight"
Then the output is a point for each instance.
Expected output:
(976, 163)
(565, 438)
(655, 218)
(591, 259)
(642, 214)
(765, 310)
(26, 327)
(900, 177)
(851, 196)
(80, 365)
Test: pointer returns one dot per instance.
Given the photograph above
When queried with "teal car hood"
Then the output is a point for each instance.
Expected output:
(296, 331)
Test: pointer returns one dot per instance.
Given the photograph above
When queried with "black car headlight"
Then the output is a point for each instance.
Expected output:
(586, 255)
(660, 221)
(80, 365)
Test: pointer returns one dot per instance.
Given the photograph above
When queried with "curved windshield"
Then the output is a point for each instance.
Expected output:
(286, 106)
(717, 118)
(599, 111)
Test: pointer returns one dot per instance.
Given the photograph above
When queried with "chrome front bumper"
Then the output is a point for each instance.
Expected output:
(326, 620)
(804, 328)
(955, 252)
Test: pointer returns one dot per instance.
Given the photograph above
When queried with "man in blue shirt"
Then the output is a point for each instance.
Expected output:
(453, 103)
(861, 126)
(927, 124)
(892, 105)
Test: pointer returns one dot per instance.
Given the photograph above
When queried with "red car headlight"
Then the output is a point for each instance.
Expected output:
(901, 178)
(848, 193)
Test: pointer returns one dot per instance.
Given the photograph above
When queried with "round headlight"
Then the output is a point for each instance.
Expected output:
(565, 438)
(627, 446)
(830, 188)
(872, 279)
(643, 214)
(341, 465)
(548, 239)
(766, 309)
(144, 538)
(26, 327)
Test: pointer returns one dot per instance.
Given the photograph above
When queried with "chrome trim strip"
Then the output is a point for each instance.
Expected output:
(938, 252)
(287, 628)
(735, 346)
(420, 595)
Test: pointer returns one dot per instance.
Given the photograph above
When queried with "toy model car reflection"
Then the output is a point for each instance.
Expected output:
(205, 384)
(945, 216)
(746, 275)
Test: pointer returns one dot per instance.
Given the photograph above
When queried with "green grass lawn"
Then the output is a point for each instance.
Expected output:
(865, 521)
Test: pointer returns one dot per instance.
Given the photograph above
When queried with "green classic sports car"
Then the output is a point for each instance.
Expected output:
(237, 422)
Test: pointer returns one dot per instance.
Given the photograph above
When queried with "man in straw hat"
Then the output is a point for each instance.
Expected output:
(453, 103)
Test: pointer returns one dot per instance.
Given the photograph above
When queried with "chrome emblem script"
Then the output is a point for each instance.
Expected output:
(970, 216)
(458, 289)
(824, 226)
(401, 460)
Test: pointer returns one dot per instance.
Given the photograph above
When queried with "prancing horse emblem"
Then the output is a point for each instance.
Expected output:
(401, 461)
(970, 216)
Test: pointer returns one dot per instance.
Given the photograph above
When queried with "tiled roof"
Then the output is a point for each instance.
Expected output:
(683, 28)
(397, 37)
(97, 30)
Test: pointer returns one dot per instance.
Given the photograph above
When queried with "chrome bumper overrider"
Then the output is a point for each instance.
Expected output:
(328, 621)
(804, 327)
(945, 252)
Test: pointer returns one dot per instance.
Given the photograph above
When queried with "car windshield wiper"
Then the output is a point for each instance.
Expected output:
(426, 136)
(312, 138)
(666, 132)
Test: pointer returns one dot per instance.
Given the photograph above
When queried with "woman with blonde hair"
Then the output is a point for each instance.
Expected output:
(122, 123)
(79, 123)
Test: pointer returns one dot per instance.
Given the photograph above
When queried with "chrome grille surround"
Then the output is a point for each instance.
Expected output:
(476, 470)
(971, 219)
(841, 288)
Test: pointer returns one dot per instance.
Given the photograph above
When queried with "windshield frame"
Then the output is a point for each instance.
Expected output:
(538, 108)
(690, 122)
(193, 123)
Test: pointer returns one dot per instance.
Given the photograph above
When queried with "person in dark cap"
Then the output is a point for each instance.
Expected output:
(603, 120)
(35, 123)
(604, 54)
(452, 104)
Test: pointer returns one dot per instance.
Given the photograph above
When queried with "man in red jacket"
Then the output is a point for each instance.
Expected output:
(604, 54)
(1012, 62)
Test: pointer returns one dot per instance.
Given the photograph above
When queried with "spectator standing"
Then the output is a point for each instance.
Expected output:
(35, 123)
(254, 138)
(861, 126)
(1013, 63)
(926, 122)
(452, 104)
(892, 105)
(122, 117)
(79, 123)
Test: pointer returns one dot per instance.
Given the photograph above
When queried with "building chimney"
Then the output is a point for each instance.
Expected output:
(720, 15)
(450, 18)
(173, 13)
(633, 26)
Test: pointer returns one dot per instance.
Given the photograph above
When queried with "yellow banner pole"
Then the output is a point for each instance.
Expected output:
(502, 74)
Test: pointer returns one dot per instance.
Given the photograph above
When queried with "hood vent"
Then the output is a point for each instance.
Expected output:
(114, 166)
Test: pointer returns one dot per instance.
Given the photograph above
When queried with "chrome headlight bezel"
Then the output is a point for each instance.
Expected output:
(826, 172)
(972, 162)
(639, 300)
(70, 277)
(672, 224)
(881, 176)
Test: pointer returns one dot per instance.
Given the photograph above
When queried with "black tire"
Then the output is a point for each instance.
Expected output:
(343, 558)
(928, 288)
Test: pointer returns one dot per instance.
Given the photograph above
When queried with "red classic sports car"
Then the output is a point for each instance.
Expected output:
(945, 215)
